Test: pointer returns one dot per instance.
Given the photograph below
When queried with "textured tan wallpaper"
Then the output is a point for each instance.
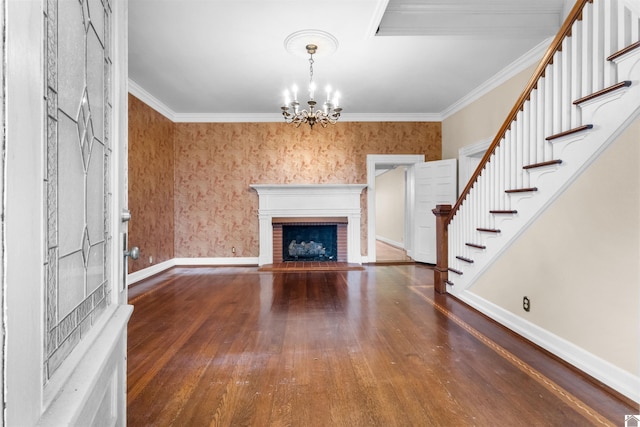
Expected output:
(151, 184)
(215, 163)
(189, 192)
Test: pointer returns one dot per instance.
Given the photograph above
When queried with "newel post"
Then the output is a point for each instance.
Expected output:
(441, 271)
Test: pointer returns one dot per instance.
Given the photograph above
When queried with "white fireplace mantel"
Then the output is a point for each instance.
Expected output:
(309, 201)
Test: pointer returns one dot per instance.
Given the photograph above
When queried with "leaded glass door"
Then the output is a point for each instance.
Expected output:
(78, 167)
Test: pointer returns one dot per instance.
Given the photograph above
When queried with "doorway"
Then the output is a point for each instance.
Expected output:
(382, 162)
(391, 211)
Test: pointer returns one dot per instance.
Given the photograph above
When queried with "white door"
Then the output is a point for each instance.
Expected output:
(434, 184)
(66, 312)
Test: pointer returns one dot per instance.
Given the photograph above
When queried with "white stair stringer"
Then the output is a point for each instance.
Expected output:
(609, 114)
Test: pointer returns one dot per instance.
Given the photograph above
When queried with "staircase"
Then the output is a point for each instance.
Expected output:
(582, 96)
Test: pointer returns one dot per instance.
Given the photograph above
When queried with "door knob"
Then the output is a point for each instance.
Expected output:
(133, 253)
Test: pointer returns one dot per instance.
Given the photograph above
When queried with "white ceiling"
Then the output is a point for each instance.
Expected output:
(225, 60)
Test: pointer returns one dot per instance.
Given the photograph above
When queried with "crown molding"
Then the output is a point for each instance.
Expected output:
(277, 117)
(473, 7)
(388, 117)
(528, 59)
(376, 18)
(226, 118)
(144, 96)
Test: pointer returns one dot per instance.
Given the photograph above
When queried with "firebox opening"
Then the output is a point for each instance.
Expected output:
(310, 242)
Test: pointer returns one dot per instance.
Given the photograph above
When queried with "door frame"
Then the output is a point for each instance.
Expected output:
(468, 158)
(374, 160)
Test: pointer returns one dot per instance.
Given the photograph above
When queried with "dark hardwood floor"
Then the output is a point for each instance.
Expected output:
(234, 346)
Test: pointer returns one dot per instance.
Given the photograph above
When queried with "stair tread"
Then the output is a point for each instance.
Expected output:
(542, 164)
(569, 132)
(475, 245)
(449, 282)
(453, 270)
(513, 212)
(604, 91)
(488, 230)
(621, 52)
(521, 190)
(461, 258)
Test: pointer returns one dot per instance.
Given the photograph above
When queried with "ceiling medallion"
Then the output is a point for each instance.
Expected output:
(330, 111)
(296, 43)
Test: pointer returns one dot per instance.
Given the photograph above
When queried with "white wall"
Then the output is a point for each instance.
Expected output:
(482, 119)
(578, 263)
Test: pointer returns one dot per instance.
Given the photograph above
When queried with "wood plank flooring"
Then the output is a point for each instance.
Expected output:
(234, 346)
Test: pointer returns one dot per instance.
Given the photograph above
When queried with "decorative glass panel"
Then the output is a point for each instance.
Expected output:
(77, 80)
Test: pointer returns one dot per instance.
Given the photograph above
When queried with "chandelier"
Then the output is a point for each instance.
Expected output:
(328, 114)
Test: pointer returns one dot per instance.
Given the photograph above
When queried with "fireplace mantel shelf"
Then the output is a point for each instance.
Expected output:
(309, 200)
(292, 189)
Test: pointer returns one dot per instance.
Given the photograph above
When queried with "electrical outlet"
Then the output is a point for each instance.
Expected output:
(150, 260)
(233, 250)
(526, 304)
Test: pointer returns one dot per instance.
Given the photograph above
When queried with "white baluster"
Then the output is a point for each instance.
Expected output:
(540, 120)
(598, 46)
(482, 193)
(507, 160)
(576, 78)
(478, 205)
(587, 49)
(623, 37)
(556, 72)
(634, 28)
(500, 170)
(609, 39)
(548, 114)
(495, 173)
(527, 142)
(516, 170)
(566, 103)
(533, 133)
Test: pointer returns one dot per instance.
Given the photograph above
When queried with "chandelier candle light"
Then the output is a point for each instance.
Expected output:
(328, 114)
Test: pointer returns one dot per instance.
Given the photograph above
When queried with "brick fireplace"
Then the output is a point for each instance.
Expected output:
(337, 204)
(279, 245)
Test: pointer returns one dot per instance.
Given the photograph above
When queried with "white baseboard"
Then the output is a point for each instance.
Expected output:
(160, 267)
(149, 271)
(393, 243)
(217, 261)
(618, 379)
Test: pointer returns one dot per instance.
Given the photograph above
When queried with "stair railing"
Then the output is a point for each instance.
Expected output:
(535, 115)
(555, 46)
